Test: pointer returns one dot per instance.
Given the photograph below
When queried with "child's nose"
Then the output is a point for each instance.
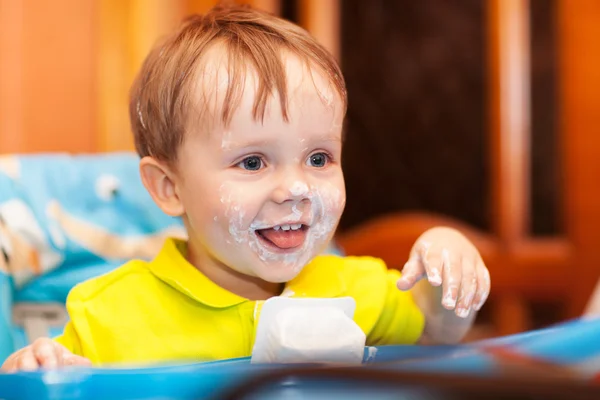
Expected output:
(292, 188)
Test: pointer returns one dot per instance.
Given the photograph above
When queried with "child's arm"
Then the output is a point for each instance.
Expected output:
(457, 285)
(43, 353)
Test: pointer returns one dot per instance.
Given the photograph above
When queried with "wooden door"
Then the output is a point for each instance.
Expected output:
(525, 268)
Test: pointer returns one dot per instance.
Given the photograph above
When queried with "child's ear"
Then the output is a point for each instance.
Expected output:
(159, 181)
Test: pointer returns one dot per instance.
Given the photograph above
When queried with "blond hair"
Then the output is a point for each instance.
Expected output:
(160, 106)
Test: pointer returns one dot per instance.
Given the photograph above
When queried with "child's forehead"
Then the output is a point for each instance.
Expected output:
(221, 59)
(220, 71)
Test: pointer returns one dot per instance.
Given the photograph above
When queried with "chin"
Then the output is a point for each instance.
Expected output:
(279, 273)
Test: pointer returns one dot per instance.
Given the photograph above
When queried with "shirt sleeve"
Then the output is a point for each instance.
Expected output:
(76, 335)
(400, 320)
(70, 339)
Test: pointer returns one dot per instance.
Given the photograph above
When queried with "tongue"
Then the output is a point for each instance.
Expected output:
(284, 239)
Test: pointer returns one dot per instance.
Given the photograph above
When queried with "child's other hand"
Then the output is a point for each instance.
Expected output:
(448, 258)
(43, 353)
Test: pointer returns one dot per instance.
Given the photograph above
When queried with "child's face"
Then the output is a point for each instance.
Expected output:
(265, 198)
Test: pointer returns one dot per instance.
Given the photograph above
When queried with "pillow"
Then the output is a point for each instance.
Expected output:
(61, 214)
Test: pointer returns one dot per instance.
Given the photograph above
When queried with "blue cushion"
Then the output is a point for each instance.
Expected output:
(6, 341)
(68, 209)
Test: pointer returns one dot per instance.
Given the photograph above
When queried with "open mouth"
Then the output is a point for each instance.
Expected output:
(283, 237)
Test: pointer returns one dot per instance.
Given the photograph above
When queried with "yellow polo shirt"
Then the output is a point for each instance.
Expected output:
(167, 311)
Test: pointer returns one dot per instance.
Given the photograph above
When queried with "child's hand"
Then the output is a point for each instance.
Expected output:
(43, 353)
(448, 258)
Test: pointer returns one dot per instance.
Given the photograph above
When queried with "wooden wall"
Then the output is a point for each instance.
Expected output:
(66, 67)
(579, 27)
(48, 84)
(415, 155)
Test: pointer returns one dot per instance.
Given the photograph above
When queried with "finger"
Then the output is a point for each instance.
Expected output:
(431, 258)
(452, 278)
(483, 285)
(72, 359)
(468, 287)
(412, 272)
(47, 353)
(10, 365)
(26, 361)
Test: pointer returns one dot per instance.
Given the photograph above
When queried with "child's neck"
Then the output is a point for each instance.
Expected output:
(248, 287)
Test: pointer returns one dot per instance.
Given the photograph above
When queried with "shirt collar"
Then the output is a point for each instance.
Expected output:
(172, 267)
(321, 278)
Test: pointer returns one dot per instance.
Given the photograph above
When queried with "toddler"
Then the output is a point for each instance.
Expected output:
(238, 121)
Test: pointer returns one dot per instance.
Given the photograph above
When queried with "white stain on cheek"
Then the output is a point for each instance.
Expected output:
(326, 203)
(236, 221)
(234, 213)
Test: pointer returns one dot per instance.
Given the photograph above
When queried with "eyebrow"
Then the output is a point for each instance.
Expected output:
(331, 138)
(236, 144)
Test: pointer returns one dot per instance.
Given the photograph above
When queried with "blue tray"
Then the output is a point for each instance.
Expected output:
(574, 345)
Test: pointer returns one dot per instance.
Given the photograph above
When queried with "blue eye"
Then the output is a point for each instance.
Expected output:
(252, 163)
(318, 160)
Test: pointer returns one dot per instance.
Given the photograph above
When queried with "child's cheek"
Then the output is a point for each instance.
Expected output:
(234, 213)
(327, 202)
